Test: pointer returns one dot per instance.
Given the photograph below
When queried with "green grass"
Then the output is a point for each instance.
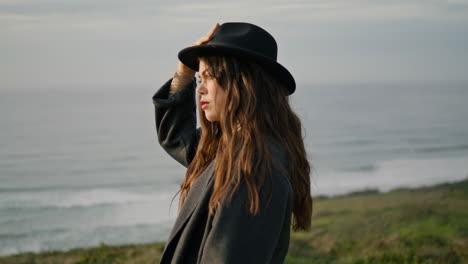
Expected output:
(104, 254)
(422, 225)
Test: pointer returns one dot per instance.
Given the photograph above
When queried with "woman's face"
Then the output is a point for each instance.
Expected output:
(212, 96)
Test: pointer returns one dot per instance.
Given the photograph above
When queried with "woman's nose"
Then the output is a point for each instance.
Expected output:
(201, 89)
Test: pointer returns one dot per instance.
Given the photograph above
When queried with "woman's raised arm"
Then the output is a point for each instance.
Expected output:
(175, 111)
(175, 116)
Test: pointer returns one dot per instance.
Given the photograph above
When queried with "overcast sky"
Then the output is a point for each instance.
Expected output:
(71, 44)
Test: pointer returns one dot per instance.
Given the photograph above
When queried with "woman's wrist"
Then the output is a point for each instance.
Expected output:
(183, 70)
(180, 80)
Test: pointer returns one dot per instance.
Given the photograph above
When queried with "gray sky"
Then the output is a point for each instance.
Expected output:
(71, 44)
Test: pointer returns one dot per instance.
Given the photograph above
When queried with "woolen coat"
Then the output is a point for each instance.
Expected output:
(232, 234)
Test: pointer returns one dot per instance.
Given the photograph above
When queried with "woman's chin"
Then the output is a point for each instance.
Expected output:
(210, 118)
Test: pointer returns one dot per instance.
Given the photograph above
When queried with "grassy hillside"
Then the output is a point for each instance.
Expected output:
(423, 225)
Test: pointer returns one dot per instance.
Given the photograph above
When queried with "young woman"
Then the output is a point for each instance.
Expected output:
(247, 174)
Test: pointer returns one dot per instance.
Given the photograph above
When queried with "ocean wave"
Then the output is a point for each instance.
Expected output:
(357, 142)
(363, 168)
(68, 238)
(57, 231)
(73, 188)
(443, 148)
(393, 173)
(37, 189)
(35, 233)
(73, 199)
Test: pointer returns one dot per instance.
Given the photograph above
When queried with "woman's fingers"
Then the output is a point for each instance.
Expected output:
(182, 68)
(207, 37)
(212, 31)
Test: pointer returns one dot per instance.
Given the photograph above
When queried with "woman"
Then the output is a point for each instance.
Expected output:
(248, 175)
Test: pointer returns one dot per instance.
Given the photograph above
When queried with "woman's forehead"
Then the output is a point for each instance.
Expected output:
(202, 68)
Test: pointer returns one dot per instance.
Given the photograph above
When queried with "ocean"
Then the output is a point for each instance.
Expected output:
(81, 167)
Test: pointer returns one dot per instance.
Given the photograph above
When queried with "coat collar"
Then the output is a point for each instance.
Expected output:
(194, 196)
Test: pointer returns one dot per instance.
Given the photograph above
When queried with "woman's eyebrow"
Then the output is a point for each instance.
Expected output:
(203, 72)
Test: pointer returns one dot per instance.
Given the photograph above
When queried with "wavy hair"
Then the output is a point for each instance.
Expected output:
(257, 107)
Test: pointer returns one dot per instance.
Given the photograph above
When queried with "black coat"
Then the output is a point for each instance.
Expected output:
(232, 235)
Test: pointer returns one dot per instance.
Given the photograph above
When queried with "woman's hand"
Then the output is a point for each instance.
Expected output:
(182, 68)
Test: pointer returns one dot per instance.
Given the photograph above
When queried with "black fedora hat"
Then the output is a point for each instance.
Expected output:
(243, 40)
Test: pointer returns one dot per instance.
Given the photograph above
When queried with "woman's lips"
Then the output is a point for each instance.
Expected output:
(204, 104)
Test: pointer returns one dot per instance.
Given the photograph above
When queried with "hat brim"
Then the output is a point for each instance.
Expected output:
(189, 56)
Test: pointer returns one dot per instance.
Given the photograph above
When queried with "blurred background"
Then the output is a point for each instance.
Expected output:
(382, 93)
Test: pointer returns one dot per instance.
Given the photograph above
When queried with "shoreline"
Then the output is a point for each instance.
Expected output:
(407, 223)
(376, 190)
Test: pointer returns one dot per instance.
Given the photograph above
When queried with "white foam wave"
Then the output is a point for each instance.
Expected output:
(392, 174)
(81, 198)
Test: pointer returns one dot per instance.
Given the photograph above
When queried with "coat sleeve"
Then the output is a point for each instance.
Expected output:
(175, 116)
(238, 237)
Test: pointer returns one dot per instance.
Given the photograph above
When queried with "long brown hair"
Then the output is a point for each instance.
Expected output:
(257, 104)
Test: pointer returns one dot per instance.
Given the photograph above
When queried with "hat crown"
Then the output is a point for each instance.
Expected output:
(243, 40)
(246, 36)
